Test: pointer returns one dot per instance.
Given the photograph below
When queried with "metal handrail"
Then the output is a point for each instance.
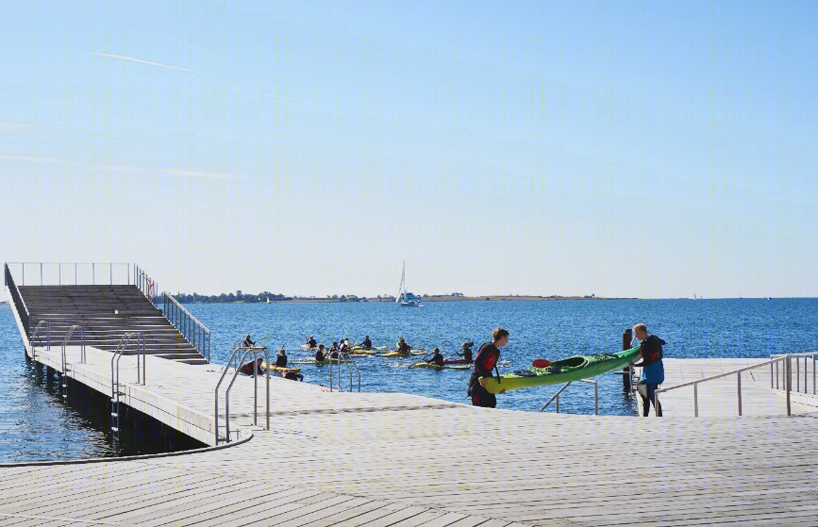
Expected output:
(145, 284)
(189, 326)
(788, 384)
(344, 358)
(247, 350)
(775, 377)
(65, 340)
(556, 396)
(75, 264)
(34, 335)
(120, 350)
(17, 298)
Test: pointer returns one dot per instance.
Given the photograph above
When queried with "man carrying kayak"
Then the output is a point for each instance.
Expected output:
(653, 371)
(486, 359)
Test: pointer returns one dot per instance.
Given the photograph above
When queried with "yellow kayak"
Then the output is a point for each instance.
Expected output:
(436, 367)
(308, 347)
(279, 369)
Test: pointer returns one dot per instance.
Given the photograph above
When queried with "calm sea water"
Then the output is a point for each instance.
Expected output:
(36, 425)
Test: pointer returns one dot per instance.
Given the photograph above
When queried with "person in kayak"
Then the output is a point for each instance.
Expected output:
(247, 367)
(437, 358)
(366, 344)
(653, 371)
(248, 342)
(292, 375)
(402, 347)
(319, 355)
(311, 342)
(281, 358)
(344, 346)
(466, 351)
(486, 359)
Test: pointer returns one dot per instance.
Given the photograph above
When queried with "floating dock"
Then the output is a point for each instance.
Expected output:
(384, 459)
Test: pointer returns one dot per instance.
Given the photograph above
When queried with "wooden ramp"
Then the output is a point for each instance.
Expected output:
(355, 459)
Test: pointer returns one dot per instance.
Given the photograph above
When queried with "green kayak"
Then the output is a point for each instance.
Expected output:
(565, 370)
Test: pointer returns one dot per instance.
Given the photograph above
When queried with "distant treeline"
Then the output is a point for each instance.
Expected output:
(238, 296)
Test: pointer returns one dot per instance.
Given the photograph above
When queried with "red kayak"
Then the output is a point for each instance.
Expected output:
(457, 361)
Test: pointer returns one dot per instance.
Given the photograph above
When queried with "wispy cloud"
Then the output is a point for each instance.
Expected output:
(166, 171)
(119, 169)
(145, 62)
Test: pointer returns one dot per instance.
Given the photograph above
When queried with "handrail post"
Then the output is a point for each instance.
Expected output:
(738, 377)
(788, 383)
(696, 400)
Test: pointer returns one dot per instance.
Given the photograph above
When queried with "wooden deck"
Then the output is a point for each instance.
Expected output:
(354, 459)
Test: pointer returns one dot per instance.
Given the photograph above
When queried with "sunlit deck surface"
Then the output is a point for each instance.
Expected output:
(393, 459)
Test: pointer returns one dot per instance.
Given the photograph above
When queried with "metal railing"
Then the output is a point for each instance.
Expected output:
(556, 396)
(344, 358)
(194, 331)
(36, 333)
(777, 374)
(40, 269)
(787, 380)
(17, 298)
(255, 350)
(145, 284)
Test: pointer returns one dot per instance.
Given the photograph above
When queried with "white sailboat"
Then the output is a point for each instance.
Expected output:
(405, 298)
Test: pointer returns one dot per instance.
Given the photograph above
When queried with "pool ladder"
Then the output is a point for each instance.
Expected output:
(116, 392)
(344, 358)
(65, 365)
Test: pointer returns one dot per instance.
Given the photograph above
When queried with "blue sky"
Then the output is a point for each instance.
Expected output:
(651, 149)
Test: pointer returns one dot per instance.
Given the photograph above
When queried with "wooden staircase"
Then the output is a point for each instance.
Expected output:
(106, 312)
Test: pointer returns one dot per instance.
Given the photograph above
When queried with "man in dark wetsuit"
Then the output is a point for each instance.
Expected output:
(281, 358)
(486, 359)
(311, 342)
(437, 358)
(402, 347)
(366, 344)
(248, 342)
(319, 355)
(467, 351)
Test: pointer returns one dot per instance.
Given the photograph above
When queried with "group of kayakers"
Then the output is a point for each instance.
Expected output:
(258, 366)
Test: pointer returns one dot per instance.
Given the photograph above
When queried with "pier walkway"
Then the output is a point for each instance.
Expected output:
(355, 459)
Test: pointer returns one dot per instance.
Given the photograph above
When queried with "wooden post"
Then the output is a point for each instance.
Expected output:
(627, 336)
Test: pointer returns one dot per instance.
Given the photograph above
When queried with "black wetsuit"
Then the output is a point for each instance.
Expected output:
(319, 356)
(487, 357)
(436, 359)
(281, 360)
(366, 344)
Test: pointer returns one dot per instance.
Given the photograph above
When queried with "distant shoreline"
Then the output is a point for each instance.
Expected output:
(430, 298)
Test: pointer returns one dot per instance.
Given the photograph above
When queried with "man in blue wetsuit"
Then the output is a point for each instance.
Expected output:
(653, 371)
